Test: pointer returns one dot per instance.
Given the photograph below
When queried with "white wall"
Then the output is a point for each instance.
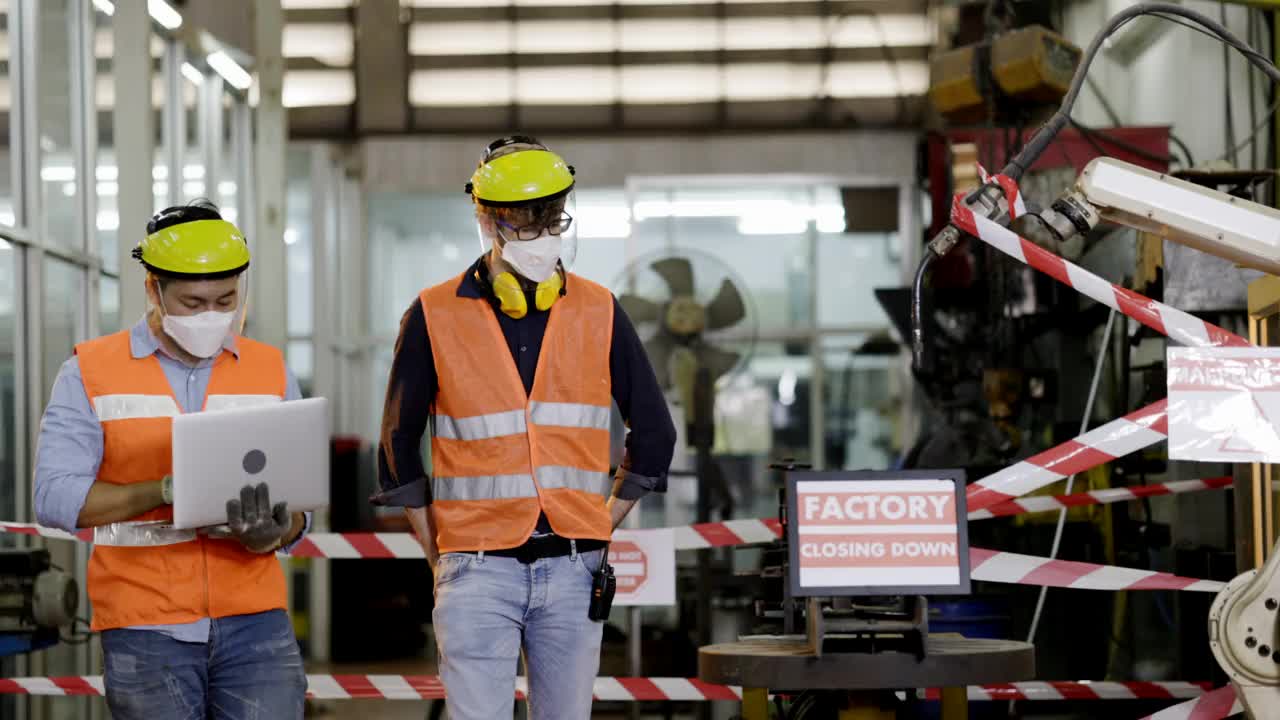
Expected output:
(1176, 79)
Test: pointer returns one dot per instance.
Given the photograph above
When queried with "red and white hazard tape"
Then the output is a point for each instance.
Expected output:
(1220, 703)
(624, 689)
(1035, 691)
(411, 687)
(1177, 325)
(1120, 437)
(1099, 497)
(730, 533)
(1103, 444)
(1003, 567)
(40, 530)
(985, 565)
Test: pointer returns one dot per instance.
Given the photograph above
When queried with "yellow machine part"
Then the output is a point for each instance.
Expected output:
(953, 86)
(1031, 64)
(1034, 63)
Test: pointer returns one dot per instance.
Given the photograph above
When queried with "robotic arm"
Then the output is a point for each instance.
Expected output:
(1232, 228)
(1244, 633)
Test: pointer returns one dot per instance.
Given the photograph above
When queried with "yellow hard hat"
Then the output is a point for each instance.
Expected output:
(194, 242)
(517, 170)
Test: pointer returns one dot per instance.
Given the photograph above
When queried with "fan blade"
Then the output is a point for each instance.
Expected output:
(677, 272)
(659, 351)
(640, 310)
(718, 361)
(727, 308)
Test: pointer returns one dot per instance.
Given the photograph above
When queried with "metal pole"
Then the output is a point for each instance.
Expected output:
(635, 627)
(268, 295)
(133, 127)
(173, 121)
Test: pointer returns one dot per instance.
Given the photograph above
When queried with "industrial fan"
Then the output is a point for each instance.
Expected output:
(681, 304)
(684, 304)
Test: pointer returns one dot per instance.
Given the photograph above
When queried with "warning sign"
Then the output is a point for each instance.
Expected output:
(876, 536)
(644, 566)
(630, 566)
(1223, 404)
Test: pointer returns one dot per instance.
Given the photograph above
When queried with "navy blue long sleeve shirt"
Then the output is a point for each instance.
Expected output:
(413, 384)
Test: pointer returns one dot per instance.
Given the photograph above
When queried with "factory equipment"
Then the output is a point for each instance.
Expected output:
(1243, 620)
(1244, 633)
(36, 600)
(1020, 69)
(680, 304)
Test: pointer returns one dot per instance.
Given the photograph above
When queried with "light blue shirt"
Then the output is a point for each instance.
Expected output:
(70, 446)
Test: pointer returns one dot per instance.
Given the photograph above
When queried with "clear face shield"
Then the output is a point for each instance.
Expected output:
(534, 238)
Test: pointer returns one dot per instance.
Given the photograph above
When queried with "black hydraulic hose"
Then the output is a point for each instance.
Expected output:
(918, 360)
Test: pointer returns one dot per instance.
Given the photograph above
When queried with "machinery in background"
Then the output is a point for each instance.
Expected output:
(683, 304)
(1244, 631)
(36, 601)
(1007, 76)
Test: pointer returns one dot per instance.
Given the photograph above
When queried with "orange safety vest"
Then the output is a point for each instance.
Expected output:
(499, 455)
(195, 577)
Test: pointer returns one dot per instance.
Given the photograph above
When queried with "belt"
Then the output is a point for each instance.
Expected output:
(544, 546)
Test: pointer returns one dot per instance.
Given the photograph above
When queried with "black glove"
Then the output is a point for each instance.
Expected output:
(258, 526)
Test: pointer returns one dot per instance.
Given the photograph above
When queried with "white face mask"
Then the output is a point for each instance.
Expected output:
(202, 335)
(535, 259)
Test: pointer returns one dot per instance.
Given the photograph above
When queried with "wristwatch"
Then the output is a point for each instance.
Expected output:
(166, 489)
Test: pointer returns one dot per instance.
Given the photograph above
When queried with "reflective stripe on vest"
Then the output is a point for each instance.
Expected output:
(496, 487)
(132, 407)
(235, 402)
(575, 415)
(140, 534)
(480, 427)
(553, 477)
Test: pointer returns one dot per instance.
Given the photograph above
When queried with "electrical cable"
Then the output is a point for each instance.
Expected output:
(1226, 82)
(1186, 151)
(1103, 349)
(1252, 85)
(1084, 426)
(1143, 153)
(1264, 124)
(1049, 131)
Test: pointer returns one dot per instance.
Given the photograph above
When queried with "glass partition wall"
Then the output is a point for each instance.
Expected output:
(60, 234)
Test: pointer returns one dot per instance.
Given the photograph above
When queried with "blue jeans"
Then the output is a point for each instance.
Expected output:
(487, 610)
(250, 669)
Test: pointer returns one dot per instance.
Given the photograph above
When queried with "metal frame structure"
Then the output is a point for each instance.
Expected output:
(33, 251)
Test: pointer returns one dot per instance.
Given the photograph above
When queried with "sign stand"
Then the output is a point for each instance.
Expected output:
(891, 536)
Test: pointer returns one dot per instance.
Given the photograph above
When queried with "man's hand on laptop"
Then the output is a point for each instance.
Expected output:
(255, 523)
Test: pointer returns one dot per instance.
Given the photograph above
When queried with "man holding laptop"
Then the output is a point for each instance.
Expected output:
(192, 625)
(515, 364)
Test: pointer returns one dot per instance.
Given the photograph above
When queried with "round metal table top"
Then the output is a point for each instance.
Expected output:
(785, 663)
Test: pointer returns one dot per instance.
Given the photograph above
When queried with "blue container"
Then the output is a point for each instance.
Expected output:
(981, 617)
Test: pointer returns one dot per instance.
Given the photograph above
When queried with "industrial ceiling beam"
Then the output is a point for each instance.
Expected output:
(382, 68)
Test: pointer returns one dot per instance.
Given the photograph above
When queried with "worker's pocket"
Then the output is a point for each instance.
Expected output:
(451, 566)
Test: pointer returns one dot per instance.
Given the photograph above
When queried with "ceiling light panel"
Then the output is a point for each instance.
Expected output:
(331, 43)
(665, 35)
(319, 88)
(664, 84)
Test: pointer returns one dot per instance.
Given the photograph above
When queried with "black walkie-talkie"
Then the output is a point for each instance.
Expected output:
(603, 585)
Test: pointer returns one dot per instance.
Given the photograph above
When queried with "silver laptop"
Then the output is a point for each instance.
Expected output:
(217, 452)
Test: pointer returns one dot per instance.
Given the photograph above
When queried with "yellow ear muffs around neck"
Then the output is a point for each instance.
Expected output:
(511, 296)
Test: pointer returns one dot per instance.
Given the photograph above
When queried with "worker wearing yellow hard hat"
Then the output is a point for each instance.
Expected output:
(192, 625)
(515, 365)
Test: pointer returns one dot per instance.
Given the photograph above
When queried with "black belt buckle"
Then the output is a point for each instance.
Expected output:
(541, 547)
